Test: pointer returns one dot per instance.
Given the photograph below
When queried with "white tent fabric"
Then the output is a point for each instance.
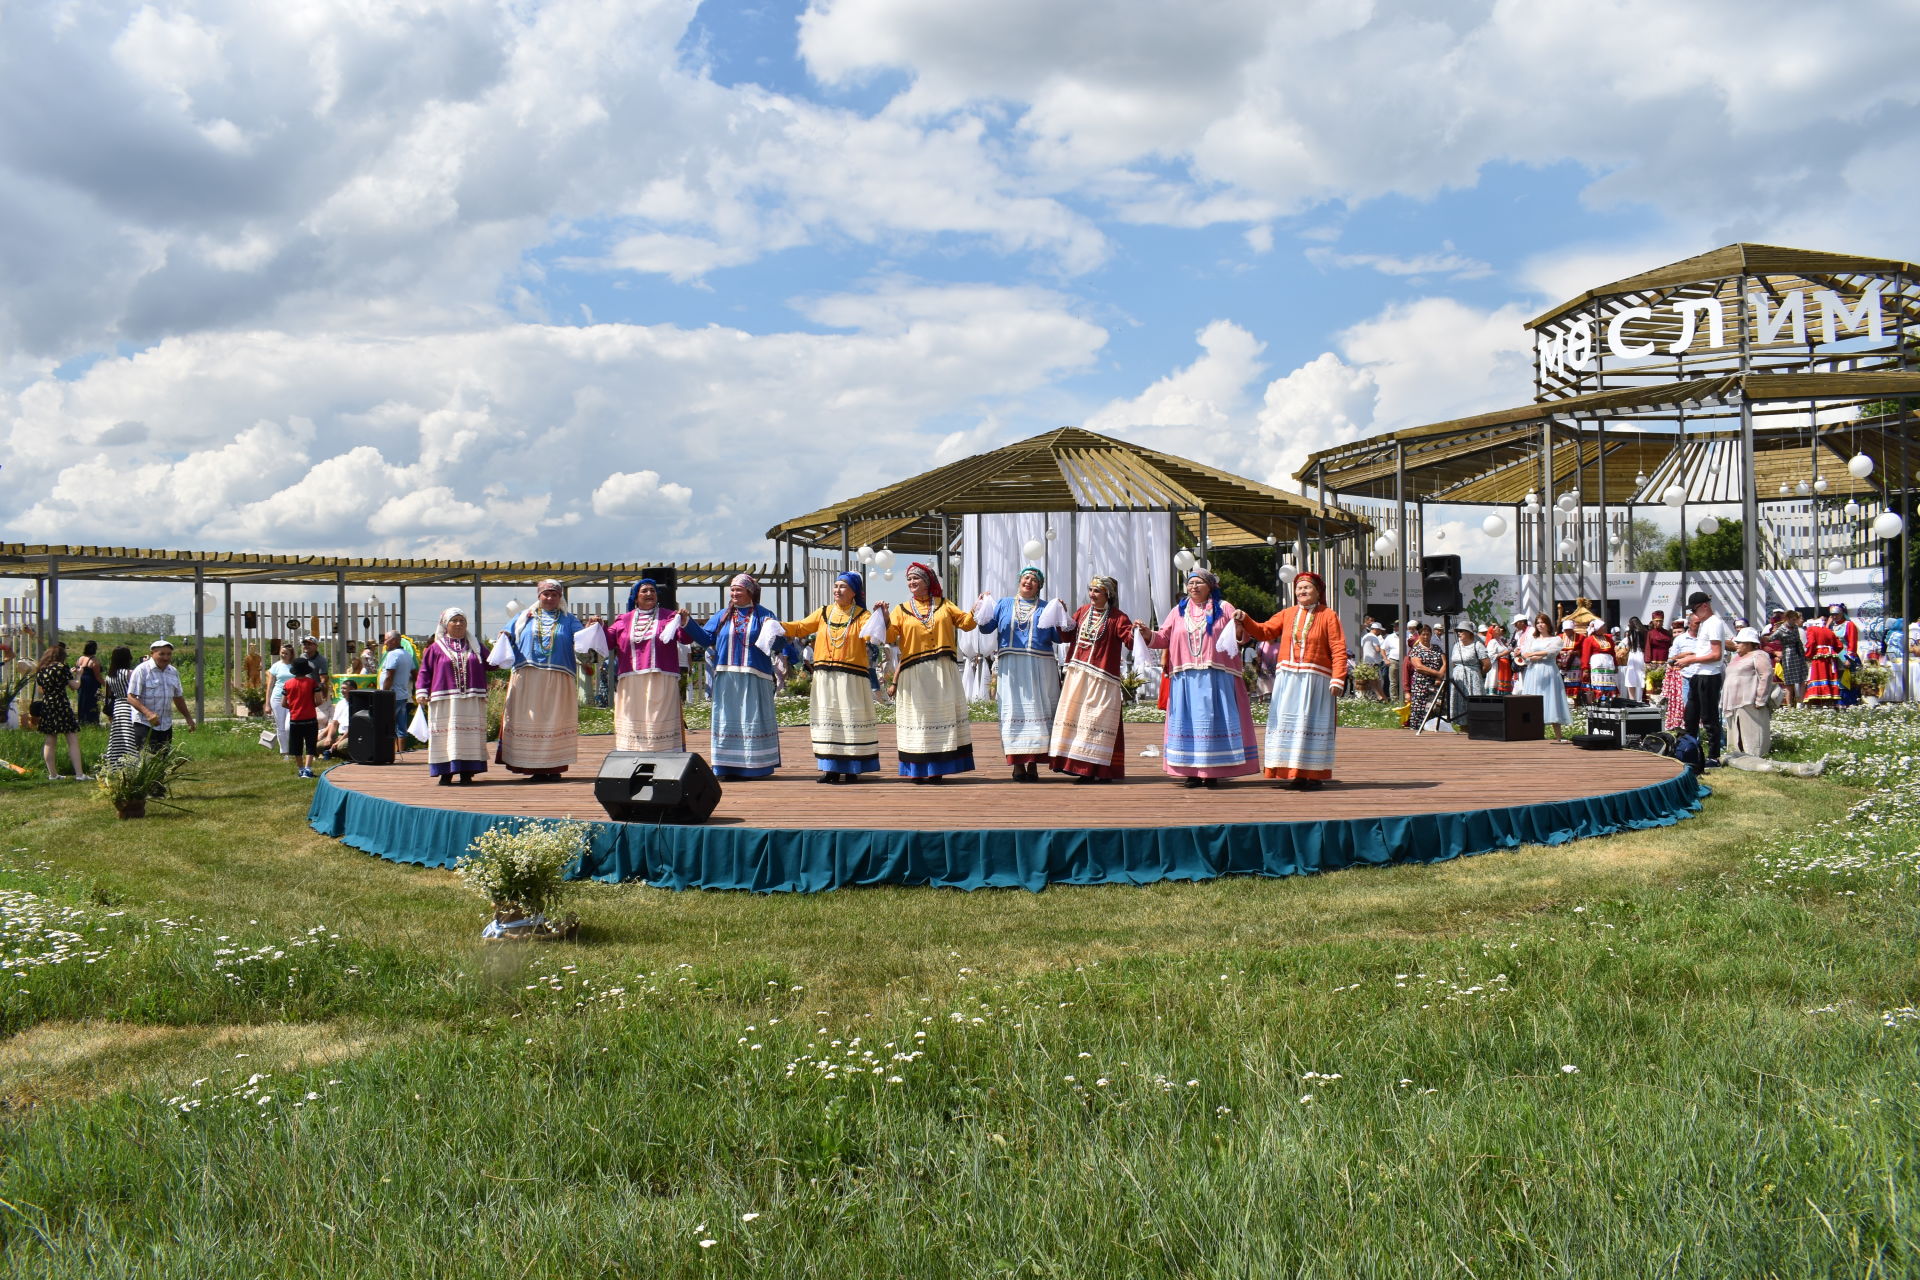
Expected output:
(1135, 549)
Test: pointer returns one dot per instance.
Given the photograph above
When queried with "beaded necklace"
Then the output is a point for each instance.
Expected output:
(1196, 633)
(456, 651)
(545, 625)
(639, 634)
(836, 631)
(1090, 628)
(926, 617)
(1303, 623)
(1025, 613)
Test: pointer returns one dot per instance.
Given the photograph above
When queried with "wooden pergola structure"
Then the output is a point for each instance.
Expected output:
(49, 566)
(1748, 375)
(1067, 470)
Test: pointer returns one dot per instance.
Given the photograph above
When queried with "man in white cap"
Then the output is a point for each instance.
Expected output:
(1706, 667)
(1391, 652)
(1372, 654)
(154, 693)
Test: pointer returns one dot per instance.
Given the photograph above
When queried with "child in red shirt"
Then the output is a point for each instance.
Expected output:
(303, 724)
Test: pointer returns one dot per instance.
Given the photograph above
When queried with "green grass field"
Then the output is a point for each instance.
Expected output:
(237, 1049)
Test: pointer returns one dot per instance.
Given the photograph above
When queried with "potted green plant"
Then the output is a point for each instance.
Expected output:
(1364, 673)
(252, 697)
(134, 780)
(1873, 680)
(521, 867)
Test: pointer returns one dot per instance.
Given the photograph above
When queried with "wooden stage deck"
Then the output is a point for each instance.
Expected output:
(1379, 773)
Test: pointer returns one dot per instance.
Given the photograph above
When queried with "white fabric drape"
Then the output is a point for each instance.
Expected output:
(1134, 548)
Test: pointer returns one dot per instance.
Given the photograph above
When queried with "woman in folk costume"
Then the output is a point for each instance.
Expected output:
(1027, 628)
(1540, 673)
(1823, 663)
(745, 739)
(1501, 677)
(540, 728)
(1603, 671)
(1209, 717)
(1310, 673)
(846, 739)
(1089, 740)
(452, 686)
(646, 670)
(932, 733)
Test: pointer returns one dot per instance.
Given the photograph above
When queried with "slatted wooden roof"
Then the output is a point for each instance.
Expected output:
(1493, 458)
(1780, 268)
(142, 564)
(1070, 469)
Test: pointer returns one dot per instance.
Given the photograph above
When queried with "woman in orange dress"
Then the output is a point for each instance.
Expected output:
(1310, 672)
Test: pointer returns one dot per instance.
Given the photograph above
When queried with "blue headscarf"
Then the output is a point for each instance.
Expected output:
(1213, 601)
(858, 584)
(633, 596)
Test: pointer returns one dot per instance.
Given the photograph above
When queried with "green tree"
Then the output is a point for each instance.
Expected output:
(1246, 578)
(1721, 549)
(1646, 547)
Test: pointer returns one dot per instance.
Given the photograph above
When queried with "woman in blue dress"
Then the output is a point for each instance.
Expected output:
(1027, 675)
(745, 739)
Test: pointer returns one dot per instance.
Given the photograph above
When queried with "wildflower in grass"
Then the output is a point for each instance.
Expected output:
(1569, 1069)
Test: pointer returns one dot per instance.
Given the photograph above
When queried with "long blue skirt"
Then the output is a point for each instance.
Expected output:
(746, 731)
(1542, 679)
(1300, 725)
(1029, 688)
(1210, 725)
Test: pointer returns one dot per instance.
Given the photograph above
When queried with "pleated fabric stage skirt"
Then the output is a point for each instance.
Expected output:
(841, 722)
(930, 720)
(1542, 679)
(745, 742)
(646, 712)
(1210, 726)
(1300, 725)
(540, 728)
(1029, 696)
(1089, 738)
(457, 734)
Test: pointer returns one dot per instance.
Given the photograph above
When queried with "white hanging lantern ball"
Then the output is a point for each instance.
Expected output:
(1034, 549)
(1675, 496)
(1271, 540)
(1888, 524)
(1783, 489)
(1567, 501)
(1493, 526)
(1613, 542)
(1287, 572)
(1566, 548)
(1383, 545)
(1860, 466)
(1820, 484)
(1835, 564)
(1803, 488)
(1709, 525)
(1640, 480)
(884, 557)
(1439, 535)
(1183, 559)
(1851, 510)
(1052, 533)
(864, 555)
(887, 574)
(513, 608)
(1533, 499)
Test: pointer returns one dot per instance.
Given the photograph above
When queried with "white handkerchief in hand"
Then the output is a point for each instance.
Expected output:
(593, 639)
(1229, 642)
(770, 633)
(984, 606)
(502, 654)
(669, 631)
(1055, 616)
(418, 728)
(1142, 656)
(875, 631)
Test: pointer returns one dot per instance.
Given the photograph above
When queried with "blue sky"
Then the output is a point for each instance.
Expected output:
(639, 278)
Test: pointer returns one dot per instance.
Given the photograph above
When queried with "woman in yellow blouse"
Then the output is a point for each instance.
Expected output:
(932, 732)
(846, 739)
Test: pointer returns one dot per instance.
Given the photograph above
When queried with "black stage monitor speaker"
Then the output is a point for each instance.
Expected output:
(1440, 586)
(669, 579)
(1514, 719)
(370, 726)
(656, 786)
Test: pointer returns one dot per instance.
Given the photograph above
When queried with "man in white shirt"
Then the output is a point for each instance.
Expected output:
(154, 693)
(1371, 653)
(1391, 652)
(1706, 668)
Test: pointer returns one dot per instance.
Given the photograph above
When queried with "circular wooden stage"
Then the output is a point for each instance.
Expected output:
(1397, 797)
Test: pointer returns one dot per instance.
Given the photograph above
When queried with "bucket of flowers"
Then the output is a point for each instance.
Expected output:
(521, 867)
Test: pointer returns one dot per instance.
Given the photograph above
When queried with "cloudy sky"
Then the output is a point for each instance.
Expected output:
(619, 279)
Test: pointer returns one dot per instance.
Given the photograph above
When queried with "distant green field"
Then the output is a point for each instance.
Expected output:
(238, 1049)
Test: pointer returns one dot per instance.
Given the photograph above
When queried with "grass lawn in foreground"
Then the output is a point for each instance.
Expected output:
(238, 1049)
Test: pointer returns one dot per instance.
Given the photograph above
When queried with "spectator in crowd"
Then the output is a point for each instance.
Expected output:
(396, 673)
(52, 677)
(331, 742)
(1677, 688)
(1632, 657)
(154, 692)
(1392, 655)
(88, 669)
(1467, 667)
(1427, 676)
(322, 670)
(277, 677)
(1746, 697)
(120, 736)
(1792, 647)
(1706, 672)
(1659, 639)
(1374, 656)
(303, 725)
